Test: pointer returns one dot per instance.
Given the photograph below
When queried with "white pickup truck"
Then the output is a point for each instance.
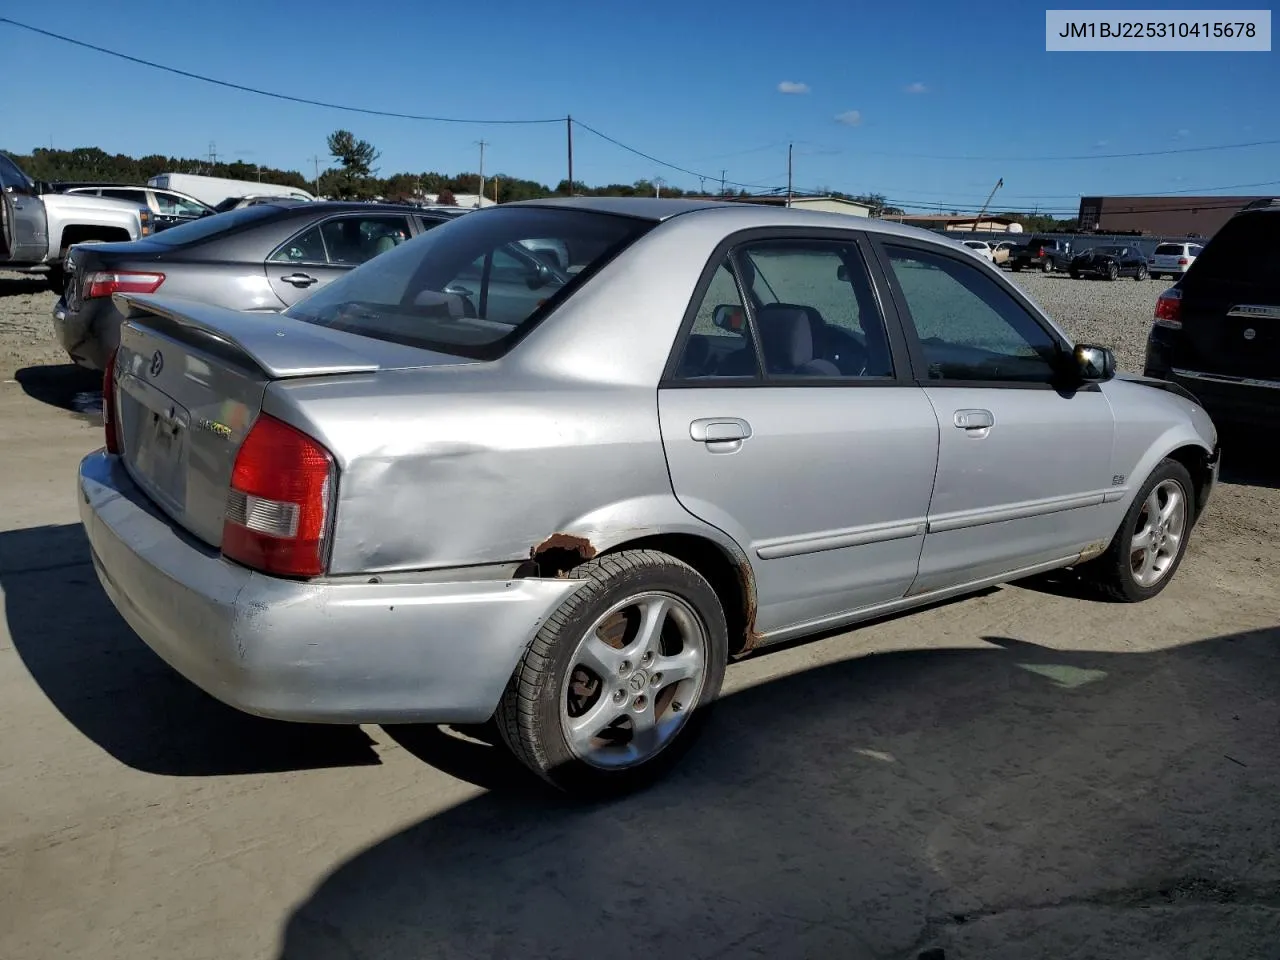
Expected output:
(37, 228)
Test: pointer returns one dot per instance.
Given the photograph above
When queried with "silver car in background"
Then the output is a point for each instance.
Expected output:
(457, 485)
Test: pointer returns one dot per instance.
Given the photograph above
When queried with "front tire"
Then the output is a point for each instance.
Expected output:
(1151, 542)
(1141, 273)
(1047, 267)
(1113, 271)
(617, 684)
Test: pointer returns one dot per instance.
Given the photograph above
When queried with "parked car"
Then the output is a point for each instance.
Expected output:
(38, 226)
(1172, 260)
(168, 207)
(1044, 253)
(981, 247)
(253, 200)
(259, 258)
(1002, 251)
(1109, 262)
(732, 426)
(1216, 331)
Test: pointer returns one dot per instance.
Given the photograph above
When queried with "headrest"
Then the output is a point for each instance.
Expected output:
(786, 336)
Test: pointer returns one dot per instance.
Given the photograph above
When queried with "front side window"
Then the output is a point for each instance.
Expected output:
(12, 177)
(970, 329)
(441, 291)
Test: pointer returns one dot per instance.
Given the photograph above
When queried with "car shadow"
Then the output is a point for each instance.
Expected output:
(65, 386)
(19, 286)
(1012, 801)
(119, 694)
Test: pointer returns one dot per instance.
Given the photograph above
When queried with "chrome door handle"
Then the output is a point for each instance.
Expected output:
(719, 430)
(300, 279)
(974, 419)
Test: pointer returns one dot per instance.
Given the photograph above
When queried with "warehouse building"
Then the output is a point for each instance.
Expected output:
(1159, 216)
(954, 223)
(826, 204)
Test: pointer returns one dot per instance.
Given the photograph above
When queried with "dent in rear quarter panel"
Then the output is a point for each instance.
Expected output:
(1150, 424)
(481, 462)
(474, 464)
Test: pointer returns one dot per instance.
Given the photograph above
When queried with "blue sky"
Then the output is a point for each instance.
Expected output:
(699, 87)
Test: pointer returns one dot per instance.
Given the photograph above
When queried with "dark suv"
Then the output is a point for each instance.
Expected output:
(1043, 253)
(1217, 330)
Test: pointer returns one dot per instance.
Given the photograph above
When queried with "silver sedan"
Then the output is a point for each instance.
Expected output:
(461, 483)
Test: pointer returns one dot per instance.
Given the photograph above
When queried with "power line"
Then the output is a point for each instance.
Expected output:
(255, 90)
(1031, 197)
(652, 159)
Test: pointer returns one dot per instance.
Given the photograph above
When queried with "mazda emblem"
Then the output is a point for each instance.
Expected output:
(157, 363)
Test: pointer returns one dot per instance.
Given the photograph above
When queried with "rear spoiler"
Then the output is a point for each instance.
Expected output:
(279, 346)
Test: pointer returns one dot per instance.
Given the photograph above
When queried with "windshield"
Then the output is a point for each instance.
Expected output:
(474, 285)
(210, 226)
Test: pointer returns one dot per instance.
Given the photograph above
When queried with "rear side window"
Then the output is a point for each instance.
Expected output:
(471, 287)
(1245, 250)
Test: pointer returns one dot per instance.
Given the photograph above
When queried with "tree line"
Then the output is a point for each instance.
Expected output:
(354, 175)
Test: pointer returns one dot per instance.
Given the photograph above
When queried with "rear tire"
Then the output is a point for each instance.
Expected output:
(1141, 273)
(1047, 267)
(1152, 540)
(1113, 272)
(594, 666)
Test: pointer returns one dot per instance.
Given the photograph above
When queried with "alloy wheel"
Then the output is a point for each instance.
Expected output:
(1158, 534)
(634, 680)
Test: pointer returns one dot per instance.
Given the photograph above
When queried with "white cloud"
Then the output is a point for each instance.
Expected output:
(1183, 133)
(793, 86)
(1102, 143)
(916, 87)
(850, 118)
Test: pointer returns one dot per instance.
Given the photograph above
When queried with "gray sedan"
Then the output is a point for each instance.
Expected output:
(567, 508)
(259, 258)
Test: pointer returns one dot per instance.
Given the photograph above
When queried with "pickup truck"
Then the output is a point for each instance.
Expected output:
(38, 226)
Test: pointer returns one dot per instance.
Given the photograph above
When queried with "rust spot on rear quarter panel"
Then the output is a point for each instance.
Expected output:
(750, 637)
(560, 553)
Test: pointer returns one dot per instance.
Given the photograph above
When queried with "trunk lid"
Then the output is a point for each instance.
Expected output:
(1231, 301)
(191, 380)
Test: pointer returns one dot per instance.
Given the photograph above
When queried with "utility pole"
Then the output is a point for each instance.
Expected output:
(657, 186)
(722, 173)
(480, 193)
(213, 154)
(316, 160)
(568, 126)
(977, 224)
(495, 188)
(789, 146)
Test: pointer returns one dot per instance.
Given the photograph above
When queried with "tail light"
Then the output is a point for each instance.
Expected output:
(278, 507)
(1183, 261)
(1041, 253)
(109, 416)
(104, 283)
(1169, 309)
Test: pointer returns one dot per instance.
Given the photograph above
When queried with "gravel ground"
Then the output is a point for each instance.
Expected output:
(1023, 773)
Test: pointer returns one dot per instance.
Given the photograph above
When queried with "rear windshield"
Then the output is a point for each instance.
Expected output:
(1245, 250)
(476, 284)
(1169, 250)
(210, 226)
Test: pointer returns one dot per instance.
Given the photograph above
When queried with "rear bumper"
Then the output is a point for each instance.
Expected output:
(88, 334)
(438, 650)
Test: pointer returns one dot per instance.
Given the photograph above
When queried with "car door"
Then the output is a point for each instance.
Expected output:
(24, 228)
(1023, 463)
(818, 461)
(322, 252)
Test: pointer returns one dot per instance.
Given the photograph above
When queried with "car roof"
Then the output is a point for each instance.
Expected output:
(738, 214)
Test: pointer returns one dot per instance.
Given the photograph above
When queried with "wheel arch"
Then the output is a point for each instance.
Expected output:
(721, 561)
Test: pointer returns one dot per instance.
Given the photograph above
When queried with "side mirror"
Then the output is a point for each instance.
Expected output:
(1093, 363)
(731, 317)
(539, 276)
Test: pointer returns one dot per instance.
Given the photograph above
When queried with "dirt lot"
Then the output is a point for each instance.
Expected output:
(1019, 774)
